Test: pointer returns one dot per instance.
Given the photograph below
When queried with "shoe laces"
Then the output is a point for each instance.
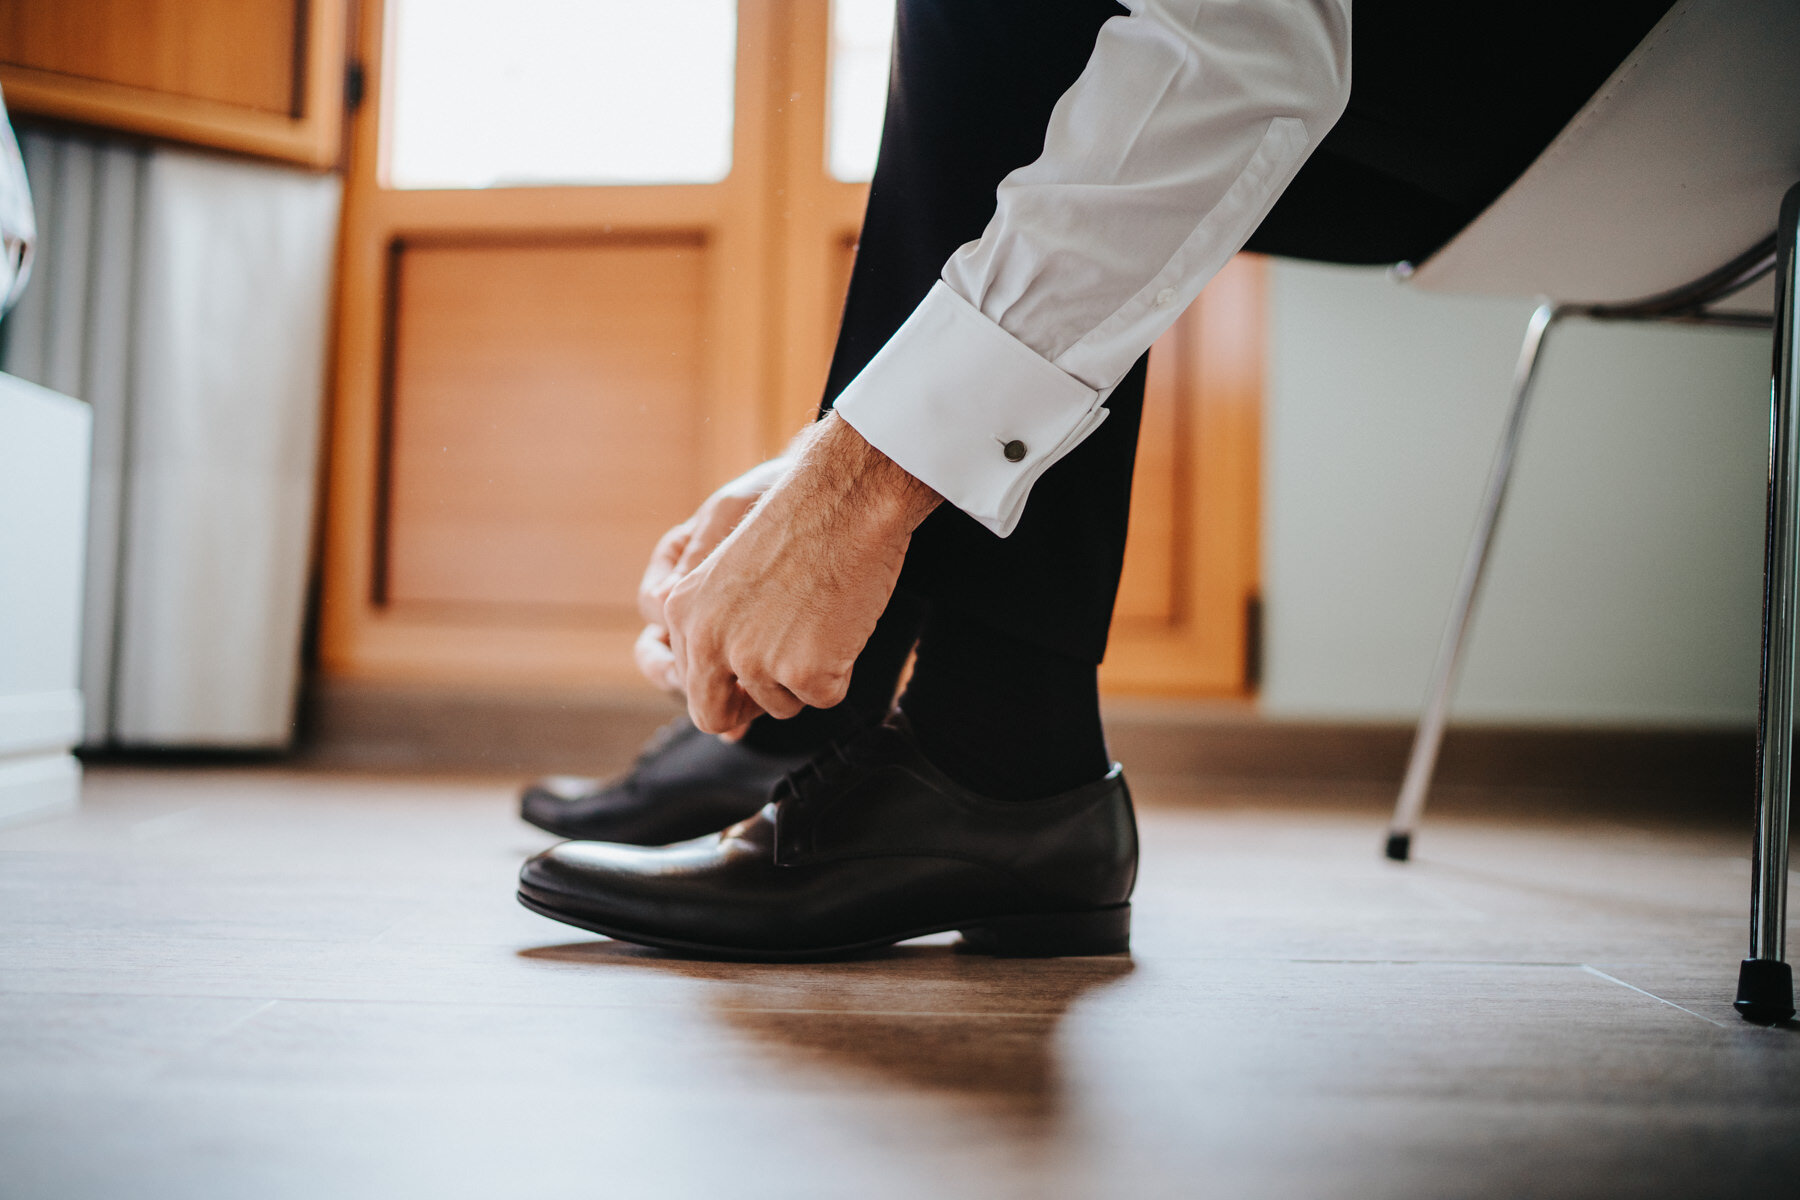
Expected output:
(660, 741)
(802, 794)
(813, 777)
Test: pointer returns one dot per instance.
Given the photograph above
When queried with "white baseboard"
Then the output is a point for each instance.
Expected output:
(39, 722)
(38, 785)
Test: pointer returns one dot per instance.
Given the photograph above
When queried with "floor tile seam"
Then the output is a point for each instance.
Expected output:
(171, 1066)
(1595, 971)
(137, 937)
(6, 992)
(264, 997)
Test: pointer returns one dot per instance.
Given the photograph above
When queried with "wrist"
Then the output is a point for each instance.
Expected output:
(872, 485)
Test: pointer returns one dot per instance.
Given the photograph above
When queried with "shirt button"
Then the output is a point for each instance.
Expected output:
(1014, 450)
(1165, 297)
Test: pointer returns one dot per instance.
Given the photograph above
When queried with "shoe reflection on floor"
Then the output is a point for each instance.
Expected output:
(922, 1018)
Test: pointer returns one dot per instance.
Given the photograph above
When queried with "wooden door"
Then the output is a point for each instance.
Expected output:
(535, 381)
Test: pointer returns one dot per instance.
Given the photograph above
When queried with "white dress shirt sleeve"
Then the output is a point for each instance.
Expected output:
(1159, 163)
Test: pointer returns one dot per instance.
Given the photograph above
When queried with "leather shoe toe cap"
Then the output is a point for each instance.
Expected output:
(578, 869)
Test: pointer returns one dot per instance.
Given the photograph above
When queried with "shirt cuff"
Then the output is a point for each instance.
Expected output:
(968, 409)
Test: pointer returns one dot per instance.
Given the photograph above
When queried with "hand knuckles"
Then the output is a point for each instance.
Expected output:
(711, 714)
(819, 686)
(753, 671)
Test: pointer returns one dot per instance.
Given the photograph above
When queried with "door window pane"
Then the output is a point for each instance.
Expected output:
(560, 92)
(862, 43)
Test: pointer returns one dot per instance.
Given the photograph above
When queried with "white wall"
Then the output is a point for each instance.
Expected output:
(43, 514)
(1625, 585)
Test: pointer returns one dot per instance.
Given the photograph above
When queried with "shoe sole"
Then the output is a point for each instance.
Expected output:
(1035, 935)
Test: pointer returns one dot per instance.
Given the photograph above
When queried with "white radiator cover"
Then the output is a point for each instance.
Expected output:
(186, 297)
(43, 519)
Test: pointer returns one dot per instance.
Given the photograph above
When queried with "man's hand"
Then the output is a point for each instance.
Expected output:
(773, 619)
(679, 551)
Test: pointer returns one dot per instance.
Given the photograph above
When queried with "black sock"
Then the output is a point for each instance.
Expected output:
(1001, 716)
(872, 685)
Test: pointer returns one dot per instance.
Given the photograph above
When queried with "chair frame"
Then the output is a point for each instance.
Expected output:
(1765, 981)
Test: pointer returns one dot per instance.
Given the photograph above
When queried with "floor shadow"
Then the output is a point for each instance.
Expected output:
(927, 1019)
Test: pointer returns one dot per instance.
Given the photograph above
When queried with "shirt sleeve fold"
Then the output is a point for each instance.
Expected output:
(1188, 122)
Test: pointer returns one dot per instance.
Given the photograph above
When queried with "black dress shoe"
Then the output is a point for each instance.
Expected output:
(866, 845)
(685, 783)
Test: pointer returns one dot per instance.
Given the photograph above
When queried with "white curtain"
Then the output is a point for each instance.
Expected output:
(185, 297)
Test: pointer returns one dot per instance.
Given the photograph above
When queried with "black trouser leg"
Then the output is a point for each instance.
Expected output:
(970, 98)
(973, 86)
(1004, 696)
(1003, 716)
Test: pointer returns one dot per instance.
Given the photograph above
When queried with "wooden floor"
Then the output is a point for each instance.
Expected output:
(254, 984)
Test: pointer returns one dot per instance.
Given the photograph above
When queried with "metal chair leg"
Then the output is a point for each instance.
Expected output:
(1765, 982)
(1430, 734)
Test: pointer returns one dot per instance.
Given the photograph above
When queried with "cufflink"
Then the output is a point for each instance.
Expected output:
(1014, 450)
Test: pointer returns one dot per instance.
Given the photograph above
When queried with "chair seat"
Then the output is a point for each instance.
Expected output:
(1677, 165)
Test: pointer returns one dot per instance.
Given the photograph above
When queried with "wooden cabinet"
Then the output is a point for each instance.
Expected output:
(534, 382)
(263, 77)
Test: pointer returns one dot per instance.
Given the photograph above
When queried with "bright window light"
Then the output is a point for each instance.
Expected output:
(862, 44)
(561, 92)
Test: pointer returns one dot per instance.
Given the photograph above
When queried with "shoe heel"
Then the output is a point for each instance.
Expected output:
(1053, 935)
